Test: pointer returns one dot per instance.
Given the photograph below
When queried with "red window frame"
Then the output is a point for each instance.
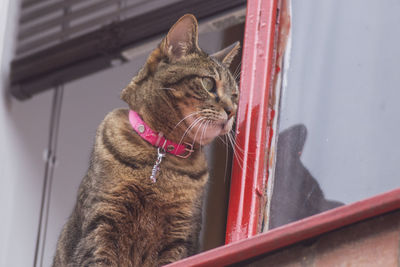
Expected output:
(249, 174)
(295, 232)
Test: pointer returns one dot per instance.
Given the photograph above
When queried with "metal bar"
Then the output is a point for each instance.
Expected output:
(295, 232)
(48, 175)
(249, 173)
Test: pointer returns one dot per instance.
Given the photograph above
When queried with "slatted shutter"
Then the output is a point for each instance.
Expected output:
(62, 40)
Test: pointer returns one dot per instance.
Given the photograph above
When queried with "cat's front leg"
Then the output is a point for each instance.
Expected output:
(98, 248)
(177, 250)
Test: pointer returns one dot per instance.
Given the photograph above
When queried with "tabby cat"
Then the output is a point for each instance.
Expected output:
(124, 218)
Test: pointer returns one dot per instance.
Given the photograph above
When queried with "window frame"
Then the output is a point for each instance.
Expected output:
(295, 232)
(254, 132)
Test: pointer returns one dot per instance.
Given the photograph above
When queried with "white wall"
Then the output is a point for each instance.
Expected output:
(23, 134)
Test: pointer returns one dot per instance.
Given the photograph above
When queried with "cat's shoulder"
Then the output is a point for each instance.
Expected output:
(118, 113)
(115, 119)
(116, 116)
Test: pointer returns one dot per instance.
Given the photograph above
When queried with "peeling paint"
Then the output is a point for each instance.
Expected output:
(283, 56)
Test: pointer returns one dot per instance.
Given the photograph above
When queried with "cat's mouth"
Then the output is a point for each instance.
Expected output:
(226, 126)
(205, 133)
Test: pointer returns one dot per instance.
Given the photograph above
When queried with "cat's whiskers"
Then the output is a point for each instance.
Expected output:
(235, 153)
(222, 140)
(197, 131)
(237, 77)
(238, 67)
(229, 141)
(235, 143)
(193, 124)
(238, 71)
(203, 132)
(226, 156)
(191, 114)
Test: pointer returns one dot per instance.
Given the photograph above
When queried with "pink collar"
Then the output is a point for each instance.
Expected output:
(157, 139)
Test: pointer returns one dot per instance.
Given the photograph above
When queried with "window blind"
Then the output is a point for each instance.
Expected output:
(62, 40)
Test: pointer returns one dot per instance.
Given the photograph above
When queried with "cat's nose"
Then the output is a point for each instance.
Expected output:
(229, 111)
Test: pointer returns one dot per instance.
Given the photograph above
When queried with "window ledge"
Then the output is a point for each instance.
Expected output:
(296, 231)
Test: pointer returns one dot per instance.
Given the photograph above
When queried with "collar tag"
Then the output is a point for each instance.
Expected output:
(156, 167)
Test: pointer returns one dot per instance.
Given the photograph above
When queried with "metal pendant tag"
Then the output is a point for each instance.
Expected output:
(156, 167)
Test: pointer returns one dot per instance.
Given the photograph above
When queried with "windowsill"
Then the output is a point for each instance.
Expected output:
(296, 231)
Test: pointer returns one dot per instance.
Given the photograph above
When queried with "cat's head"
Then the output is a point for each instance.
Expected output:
(182, 91)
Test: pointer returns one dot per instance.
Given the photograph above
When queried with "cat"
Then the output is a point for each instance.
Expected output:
(139, 203)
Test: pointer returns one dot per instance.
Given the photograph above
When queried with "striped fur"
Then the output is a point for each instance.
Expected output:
(123, 219)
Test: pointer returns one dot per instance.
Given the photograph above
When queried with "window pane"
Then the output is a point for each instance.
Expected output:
(340, 111)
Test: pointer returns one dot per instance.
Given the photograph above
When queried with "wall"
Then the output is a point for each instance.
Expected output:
(23, 138)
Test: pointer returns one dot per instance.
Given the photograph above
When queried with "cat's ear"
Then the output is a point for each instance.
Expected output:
(227, 54)
(182, 38)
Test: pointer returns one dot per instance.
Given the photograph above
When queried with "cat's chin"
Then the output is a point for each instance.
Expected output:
(209, 135)
(227, 126)
(206, 135)
(217, 130)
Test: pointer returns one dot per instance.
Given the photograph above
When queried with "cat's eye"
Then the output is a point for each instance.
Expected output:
(208, 84)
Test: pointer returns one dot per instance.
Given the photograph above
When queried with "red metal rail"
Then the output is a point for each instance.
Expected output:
(249, 169)
(295, 232)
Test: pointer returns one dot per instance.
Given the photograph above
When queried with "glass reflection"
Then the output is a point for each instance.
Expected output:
(342, 94)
